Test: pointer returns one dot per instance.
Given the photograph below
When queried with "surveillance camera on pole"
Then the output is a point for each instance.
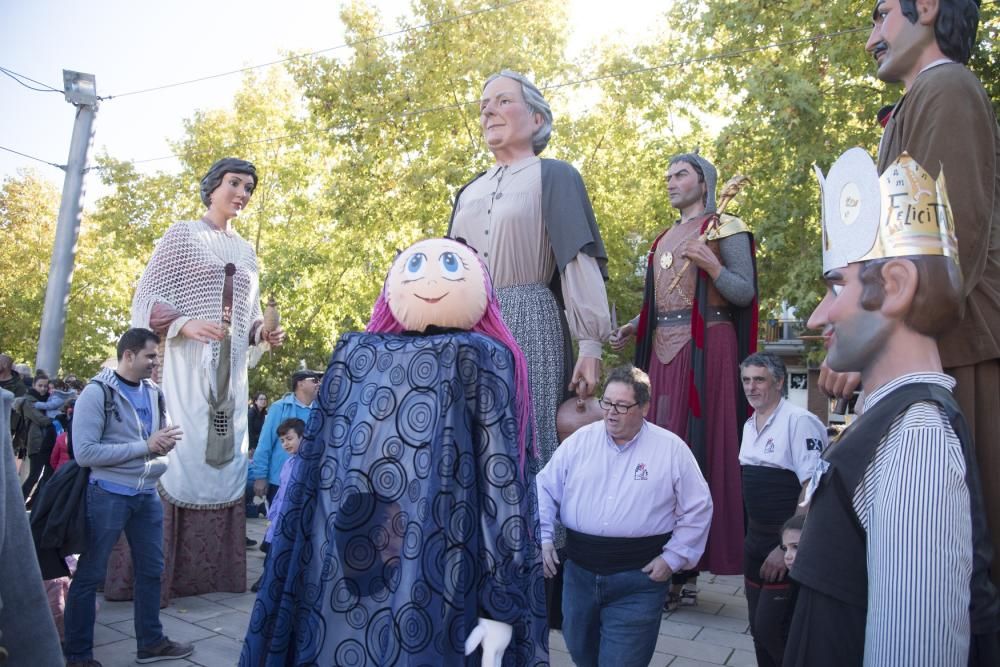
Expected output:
(81, 92)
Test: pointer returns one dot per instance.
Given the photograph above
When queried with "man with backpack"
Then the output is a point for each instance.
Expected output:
(120, 432)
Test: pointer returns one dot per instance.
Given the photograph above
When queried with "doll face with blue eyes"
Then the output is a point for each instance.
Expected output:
(437, 282)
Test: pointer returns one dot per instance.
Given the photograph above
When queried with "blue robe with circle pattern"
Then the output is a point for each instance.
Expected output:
(406, 517)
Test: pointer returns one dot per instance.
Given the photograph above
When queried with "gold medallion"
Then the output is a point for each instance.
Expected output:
(666, 260)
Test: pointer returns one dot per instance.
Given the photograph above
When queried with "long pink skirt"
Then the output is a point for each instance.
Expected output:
(670, 404)
(204, 551)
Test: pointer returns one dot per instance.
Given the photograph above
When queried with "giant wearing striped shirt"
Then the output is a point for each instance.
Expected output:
(893, 558)
(913, 505)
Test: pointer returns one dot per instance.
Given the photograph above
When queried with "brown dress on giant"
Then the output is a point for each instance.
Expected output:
(946, 122)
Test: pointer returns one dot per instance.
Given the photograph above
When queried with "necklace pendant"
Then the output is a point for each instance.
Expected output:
(666, 260)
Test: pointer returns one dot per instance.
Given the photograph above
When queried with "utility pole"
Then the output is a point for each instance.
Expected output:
(81, 92)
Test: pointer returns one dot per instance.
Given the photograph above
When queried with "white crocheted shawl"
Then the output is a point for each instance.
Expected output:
(187, 272)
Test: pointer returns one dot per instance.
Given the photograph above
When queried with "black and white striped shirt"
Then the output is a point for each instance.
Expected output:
(913, 503)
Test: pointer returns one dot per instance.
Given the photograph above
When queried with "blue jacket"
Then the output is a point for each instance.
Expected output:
(270, 456)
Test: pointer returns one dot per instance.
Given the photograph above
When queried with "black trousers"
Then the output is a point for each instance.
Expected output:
(683, 577)
(769, 605)
(39, 471)
(825, 632)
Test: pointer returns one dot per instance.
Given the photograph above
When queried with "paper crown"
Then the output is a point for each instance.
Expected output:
(866, 216)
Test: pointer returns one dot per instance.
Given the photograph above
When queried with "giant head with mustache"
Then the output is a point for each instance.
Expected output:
(909, 35)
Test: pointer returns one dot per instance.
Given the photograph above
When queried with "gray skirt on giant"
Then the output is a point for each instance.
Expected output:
(534, 317)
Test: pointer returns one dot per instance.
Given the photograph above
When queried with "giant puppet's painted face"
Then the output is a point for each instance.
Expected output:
(898, 44)
(437, 282)
(855, 338)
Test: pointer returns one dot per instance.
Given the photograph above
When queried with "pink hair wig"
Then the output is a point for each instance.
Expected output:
(493, 325)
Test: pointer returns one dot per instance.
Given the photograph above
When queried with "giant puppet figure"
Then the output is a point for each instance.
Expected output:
(200, 292)
(893, 560)
(945, 120)
(410, 532)
(531, 220)
(698, 321)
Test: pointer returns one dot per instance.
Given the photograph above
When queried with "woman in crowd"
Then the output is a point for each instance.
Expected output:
(29, 408)
(255, 418)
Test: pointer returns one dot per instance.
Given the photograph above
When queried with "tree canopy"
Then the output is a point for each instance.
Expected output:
(360, 155)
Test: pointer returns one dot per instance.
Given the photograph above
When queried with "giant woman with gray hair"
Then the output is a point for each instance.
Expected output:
(531, 221)
(200, 292)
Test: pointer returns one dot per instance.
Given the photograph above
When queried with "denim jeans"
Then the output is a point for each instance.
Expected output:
(108, 514)
(611, 620)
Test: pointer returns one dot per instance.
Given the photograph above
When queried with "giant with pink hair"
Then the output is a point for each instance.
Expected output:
(493, 325)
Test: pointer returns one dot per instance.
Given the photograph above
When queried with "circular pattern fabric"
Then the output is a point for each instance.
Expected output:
(411, 516)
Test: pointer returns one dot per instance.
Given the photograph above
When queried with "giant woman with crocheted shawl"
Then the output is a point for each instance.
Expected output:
(200, 292)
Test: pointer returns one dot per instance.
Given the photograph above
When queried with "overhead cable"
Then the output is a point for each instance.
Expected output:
(312, 54)
(32, 157)
(17, 77)
(458, 105)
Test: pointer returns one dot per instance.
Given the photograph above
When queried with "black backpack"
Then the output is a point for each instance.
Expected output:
(109, 404)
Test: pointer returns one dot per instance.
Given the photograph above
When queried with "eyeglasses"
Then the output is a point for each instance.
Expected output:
(617, 408)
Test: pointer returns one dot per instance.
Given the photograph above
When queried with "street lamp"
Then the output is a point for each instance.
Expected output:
(80, 88)
(81, 92)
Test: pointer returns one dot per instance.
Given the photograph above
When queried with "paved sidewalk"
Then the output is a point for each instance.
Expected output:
(713, 633)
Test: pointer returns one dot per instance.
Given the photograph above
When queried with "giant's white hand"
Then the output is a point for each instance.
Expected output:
(494, 637)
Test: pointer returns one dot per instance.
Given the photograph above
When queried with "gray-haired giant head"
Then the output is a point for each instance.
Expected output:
(227, 165)
(532, 99)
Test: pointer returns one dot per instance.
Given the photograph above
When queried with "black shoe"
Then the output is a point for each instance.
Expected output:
(165, 650)
(256, 584)
(250, 542)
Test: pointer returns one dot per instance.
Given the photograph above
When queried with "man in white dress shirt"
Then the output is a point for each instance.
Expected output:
(636, 509)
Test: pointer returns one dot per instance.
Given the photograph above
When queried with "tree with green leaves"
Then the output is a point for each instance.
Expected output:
(361, 155)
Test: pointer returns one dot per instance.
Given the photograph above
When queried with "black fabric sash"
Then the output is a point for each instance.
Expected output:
(610, 555)
(769, 495)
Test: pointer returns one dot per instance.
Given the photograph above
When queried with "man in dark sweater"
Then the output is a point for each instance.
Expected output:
(10, 380)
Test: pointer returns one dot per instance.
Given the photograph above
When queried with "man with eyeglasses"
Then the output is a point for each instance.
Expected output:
(636, 508)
